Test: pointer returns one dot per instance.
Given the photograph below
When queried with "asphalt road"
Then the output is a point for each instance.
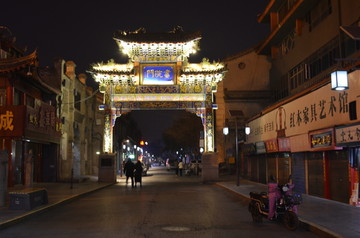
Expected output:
(166, 206)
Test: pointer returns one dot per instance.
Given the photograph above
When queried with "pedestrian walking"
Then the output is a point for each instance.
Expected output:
(129, 171)
(138, 172)
(177, 168)
(181, 167)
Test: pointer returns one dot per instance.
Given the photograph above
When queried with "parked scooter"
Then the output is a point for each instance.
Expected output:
(259, 207)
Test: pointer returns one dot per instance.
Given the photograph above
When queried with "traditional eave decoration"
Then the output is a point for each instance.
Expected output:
(48, 79)
(111, 66)
(112, 71)
(158, 97)
(13, 64)
(174, 43)
(205, 70)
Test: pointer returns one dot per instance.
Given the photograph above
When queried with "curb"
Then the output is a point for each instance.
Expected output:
(45, 208)
(314, 228)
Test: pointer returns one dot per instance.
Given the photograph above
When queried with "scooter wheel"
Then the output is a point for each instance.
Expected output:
(291, 220)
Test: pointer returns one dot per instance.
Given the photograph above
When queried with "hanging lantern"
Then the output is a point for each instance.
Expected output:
(247, 130)
(226, 130)
(339, 80)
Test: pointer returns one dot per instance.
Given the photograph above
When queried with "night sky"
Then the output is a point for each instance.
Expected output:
(82, 30)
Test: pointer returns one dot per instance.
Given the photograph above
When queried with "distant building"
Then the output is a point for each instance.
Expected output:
(82, 126)
(244, 91)
(30, 128)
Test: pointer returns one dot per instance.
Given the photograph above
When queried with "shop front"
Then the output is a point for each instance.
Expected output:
(280, 147)
(348, 137)
(328, 167)
(323, 133)
(31, 136)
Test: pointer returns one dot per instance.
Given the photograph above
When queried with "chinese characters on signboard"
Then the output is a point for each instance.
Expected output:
(43, 119)
(158, 75)
(12, 121)
(349, 134)
(6, 121)
(17, 120)
(320, 110)
(321, 140)
(267, 127)
(271, 146)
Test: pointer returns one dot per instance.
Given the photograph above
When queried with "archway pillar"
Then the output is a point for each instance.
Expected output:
(108, 133)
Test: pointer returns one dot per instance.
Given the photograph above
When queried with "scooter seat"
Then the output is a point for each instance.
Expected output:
(259, 196)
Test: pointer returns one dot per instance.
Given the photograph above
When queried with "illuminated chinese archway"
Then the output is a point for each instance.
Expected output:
(158, 76)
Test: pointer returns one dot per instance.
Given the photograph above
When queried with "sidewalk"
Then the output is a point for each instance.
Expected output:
(58, 193)
(324, 217)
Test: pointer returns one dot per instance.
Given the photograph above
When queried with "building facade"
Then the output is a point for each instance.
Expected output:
(311, 131)
(30, 128)
(244, 91)
(82, 126)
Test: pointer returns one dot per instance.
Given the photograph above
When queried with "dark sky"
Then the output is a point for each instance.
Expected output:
(82, 30)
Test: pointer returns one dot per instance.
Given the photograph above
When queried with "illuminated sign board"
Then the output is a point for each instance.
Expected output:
(158, 75)
(322, 138)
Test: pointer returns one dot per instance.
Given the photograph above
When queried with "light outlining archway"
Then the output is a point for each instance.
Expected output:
(158, 76)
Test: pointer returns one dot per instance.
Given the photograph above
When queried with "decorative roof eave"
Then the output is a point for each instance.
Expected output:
(112, 72)
(168, 37)
(13, 64)
(264, 16)
(112, 68)
(51, 89)
(189, 72)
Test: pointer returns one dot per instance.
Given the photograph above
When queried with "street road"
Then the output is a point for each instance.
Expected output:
(166, 206)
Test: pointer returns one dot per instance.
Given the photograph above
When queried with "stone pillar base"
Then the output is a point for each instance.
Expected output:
(210, 167)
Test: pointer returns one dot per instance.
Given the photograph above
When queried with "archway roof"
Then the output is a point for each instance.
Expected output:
(141, 36)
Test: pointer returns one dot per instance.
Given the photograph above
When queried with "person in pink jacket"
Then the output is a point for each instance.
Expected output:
(273, 194)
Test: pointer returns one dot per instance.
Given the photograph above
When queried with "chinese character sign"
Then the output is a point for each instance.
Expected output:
(6, 121)
(158, 75)
(347, 135)
(319, 109)
(321, 140)
(12, 121)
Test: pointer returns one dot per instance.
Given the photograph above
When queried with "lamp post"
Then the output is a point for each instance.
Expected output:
(237, 154)
(226, 132)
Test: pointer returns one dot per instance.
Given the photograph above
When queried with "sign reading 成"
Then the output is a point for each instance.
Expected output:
(6, 121)
(11, 121)
(158, 75)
